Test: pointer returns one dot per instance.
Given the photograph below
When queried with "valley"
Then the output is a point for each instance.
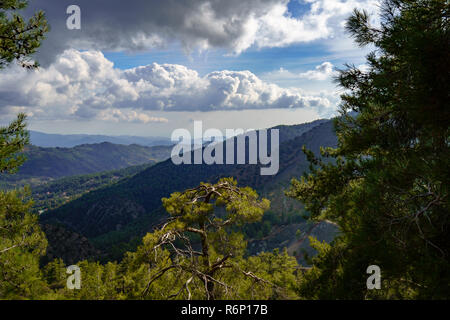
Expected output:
(115, 215)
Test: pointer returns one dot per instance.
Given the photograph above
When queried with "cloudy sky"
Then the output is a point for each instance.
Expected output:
(144, 67)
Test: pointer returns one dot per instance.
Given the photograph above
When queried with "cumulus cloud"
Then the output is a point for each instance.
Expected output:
(117, 115)
(234, 25)
(322, 72)
(86, 85)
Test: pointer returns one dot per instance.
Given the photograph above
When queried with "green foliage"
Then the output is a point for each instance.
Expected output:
(279, 271)
(21, 240)
(13, 138)
(55, 193)
(387, 186)
(132, 207)
(196, 220)
(19, 38)
(45, 164)
(98, 282)
(197, 254)
(21, 245)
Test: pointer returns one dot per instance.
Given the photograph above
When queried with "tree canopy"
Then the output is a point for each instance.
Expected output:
(21, 240)
(20, 38)
(387, 183)
(198, 253)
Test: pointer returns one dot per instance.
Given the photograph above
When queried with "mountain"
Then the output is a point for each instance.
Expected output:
(63, 243)
(113, 216)
(44, 164)
(71, 140)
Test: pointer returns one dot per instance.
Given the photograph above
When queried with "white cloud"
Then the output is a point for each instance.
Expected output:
(234, 25)
(321, 72)
(117, 115)
(325, 20)
(324, 71)
(85, 85)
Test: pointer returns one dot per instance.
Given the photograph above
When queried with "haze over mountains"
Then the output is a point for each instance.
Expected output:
(70, 140)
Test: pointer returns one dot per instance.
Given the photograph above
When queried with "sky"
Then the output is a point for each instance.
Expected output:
(146, 68)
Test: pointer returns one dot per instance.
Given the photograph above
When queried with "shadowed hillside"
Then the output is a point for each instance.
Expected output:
(44, 164)
(132, 207)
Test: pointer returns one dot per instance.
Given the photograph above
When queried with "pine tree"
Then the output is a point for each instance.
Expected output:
(21, 240)
(19, 38)
(387, 184)
(199, 252)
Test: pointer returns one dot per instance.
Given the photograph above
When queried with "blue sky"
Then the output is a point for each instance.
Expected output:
(295, 58)
(151, 67)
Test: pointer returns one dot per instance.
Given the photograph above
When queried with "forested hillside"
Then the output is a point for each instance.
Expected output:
(52, 194)
(112, 216)
(45, 164)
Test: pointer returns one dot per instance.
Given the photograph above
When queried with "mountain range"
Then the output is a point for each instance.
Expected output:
(115, 217)
(42, 139)
(46, 164)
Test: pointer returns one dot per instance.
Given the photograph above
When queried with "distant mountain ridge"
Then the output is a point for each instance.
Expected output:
(42, 139)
